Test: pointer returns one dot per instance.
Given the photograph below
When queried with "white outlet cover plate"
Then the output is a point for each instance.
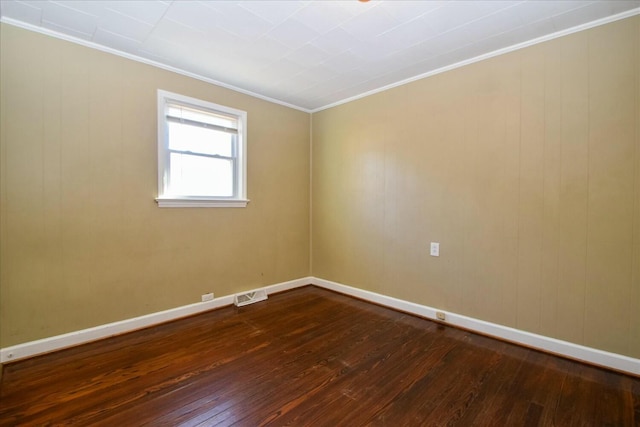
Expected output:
(435, 249)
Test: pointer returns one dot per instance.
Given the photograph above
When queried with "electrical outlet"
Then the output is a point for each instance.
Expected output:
(435, 249)
(440, 316)
(207, 297)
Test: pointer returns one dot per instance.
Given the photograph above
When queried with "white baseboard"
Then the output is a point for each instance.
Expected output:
(551, 345)
(83, 336)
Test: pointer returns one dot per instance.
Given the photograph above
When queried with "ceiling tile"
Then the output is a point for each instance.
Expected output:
(280, 69)
(405, 35)
(323, 16)
(496, 23)
(343, 62)
(323, 88)
(320, 73)
(352, 78)
(194, 15)
(415, 53)
(457, 13)
(293, 34)
(148, 11)
(335, 41)
(370, 24)
(372, 51)
(409, 10)
(532, 11)
(451, 40)
(238, 20)
(300, 82)
(308, 55)
(29, 13)
(358, 8)
(176, 32)
(123, 25)
(66, 17)
(275, 12)
(266, 49)
(95, 8)
(382, 67)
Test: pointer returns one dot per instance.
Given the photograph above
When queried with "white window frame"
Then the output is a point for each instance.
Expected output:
(164, 199)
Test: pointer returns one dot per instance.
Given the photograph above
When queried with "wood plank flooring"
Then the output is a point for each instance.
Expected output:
(311, 357)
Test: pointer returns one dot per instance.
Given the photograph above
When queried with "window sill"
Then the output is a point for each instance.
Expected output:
(200, 203)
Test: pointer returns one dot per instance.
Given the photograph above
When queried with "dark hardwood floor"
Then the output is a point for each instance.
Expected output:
(310, 357)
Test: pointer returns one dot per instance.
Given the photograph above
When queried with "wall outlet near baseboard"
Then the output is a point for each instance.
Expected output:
(441, 316)
(207, 297)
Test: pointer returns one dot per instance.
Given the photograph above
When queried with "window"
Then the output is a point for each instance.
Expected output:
(201, 153)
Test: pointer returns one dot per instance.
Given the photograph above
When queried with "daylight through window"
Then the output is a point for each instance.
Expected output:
(201, 153)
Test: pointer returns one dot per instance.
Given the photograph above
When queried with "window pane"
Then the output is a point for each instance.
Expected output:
(182, 112)
(200, 176)
(201, 152)
(200, 140)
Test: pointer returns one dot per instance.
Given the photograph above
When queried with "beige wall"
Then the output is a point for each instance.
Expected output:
(83, 242)
(526, 169)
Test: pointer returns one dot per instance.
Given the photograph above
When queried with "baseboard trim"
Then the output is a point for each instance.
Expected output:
(551, 345)
(589, 355)
(59, 342)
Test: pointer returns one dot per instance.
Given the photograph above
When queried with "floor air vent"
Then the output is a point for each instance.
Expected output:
(250, 297)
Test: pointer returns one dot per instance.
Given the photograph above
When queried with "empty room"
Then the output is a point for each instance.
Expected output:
(320, 213)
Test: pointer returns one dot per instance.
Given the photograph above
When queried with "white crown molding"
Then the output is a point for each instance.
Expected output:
(146, 61)
(59, 342)
(590, 355)
(582, 27)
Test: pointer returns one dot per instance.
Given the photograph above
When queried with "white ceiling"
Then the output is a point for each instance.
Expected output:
(308, 54)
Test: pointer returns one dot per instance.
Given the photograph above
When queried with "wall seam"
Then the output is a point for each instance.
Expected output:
(636, 187)
(310, 194)
(586, 246)
(519, 191)
(543, 183)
